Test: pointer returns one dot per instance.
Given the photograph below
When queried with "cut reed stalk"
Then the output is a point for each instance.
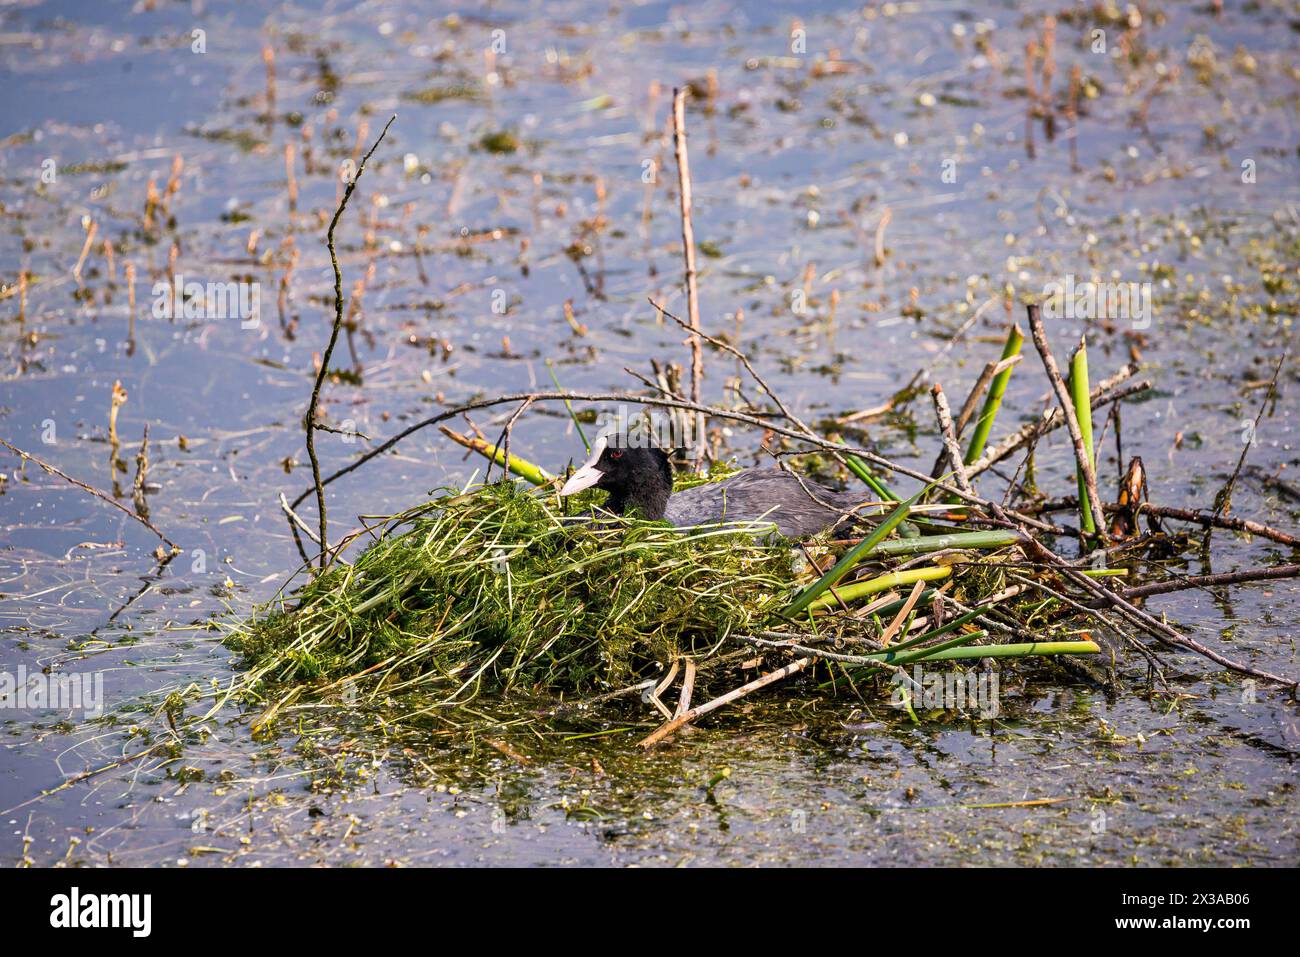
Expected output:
(519, 466)
(1083, 410)
(993, 401)
(688, 253)
(858, 590)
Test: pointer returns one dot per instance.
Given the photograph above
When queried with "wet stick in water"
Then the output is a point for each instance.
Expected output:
(687, 717)
(688, 251)
(93, 491)
(309, 421)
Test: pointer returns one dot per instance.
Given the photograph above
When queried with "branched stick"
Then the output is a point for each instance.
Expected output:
(309, 422)
(1071, 420)
(93, 491)
(1196, 516)
(687, 717)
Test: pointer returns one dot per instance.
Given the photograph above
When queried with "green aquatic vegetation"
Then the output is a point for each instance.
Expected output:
(495, 589)
(501, 141)
(439, 94)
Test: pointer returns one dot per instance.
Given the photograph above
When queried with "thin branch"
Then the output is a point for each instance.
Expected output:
(1195, 516)
(1223, 500)
(93, 491)
(1209, 581)
(713, 411)
(309, 421)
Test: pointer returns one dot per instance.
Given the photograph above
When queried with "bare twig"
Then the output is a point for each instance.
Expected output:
(1223, 500)
(296, 519)
(309, 421)
(1195, 516)
(668, 403)
(687, 717)
(1208, 581)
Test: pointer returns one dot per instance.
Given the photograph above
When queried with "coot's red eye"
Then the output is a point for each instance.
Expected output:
(615, 454)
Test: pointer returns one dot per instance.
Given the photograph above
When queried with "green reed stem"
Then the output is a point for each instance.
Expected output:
(1083, 411)
(993, 401)
(854, 555)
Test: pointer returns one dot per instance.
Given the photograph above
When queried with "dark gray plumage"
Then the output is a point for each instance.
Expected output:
(765, 494)
(640, 480)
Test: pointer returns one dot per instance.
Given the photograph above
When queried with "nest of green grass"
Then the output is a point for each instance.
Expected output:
(495, 590)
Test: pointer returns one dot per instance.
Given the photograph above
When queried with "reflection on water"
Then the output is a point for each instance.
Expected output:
(866, 178)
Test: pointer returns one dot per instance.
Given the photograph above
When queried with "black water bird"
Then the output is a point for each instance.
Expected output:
(639, 480)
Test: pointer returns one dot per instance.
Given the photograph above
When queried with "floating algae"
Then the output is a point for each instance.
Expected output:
(495, 590)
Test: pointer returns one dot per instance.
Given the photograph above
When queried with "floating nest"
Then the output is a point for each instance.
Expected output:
(495, 590)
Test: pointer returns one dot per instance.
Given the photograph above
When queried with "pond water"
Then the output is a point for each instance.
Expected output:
(527, 169)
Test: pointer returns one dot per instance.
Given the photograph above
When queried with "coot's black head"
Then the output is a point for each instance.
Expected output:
(638, 477)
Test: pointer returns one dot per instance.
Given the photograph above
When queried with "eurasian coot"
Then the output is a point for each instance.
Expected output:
(639, 480)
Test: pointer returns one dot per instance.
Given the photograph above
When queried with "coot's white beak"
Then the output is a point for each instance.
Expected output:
(584, 478)
(588, 475)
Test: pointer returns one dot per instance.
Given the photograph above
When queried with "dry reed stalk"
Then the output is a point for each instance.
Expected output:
(688, 250)
(92, 228)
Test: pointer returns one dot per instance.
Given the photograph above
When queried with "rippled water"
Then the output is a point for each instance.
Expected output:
(520, 179)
